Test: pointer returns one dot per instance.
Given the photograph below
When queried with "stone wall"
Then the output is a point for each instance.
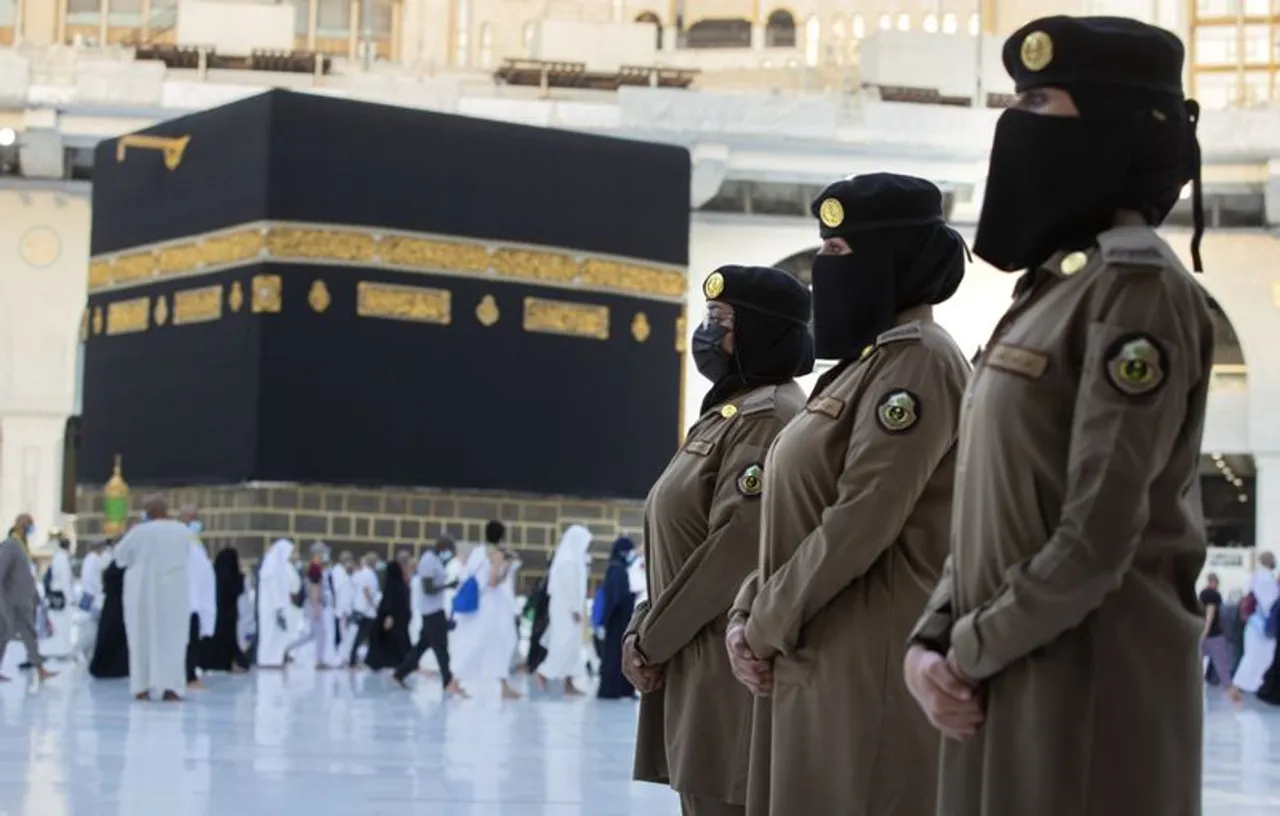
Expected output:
(250, 517)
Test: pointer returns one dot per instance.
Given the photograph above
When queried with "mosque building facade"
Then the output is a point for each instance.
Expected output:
(772, 102)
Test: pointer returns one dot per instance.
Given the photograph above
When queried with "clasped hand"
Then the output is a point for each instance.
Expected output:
(644, 677)
(751, 671)
(952, 703)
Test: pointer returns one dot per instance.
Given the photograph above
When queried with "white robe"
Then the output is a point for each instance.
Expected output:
(638, 580)
(156, 557)
(1259, 650)
(61, 580)
(91, 586)
(567, 596)
(275, 584)
(204, 588)
(344, 599)
(487, 637)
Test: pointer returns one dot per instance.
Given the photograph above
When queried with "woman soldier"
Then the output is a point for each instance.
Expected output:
(702, 523)
(856, 517)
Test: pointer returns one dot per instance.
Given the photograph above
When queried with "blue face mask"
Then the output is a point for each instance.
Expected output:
(446, 557)
(196, 527)
(30, 531)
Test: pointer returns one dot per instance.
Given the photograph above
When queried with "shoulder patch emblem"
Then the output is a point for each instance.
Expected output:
(910, 331)
(1136, 365)
(898, 411)
(829, 406)
(751, 482)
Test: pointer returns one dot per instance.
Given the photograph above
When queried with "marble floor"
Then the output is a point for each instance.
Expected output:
(333, 743)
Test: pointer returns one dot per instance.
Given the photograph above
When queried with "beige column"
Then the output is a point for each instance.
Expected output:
(397, 26)
(313, 16)
(103, 9)
(353, 30)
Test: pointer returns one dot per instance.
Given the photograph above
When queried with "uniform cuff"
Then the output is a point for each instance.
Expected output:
(933, 632)
(975, 662)
(757, 639)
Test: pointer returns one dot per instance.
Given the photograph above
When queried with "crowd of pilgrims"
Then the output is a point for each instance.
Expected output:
(453, 614)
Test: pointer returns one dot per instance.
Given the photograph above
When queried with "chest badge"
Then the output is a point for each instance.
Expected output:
(751, 482)
(1135, 365)
(729, 411)
(898, 411)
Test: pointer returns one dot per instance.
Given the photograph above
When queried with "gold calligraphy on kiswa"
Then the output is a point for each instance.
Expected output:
(566, 318)
(197, 305)
(128, 316)
(390, 301)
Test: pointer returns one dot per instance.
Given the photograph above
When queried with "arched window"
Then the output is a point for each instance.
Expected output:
(904, 22)
(462, 33)
(886, 22)
(526, 37)
(931, 23)
(812, 42)
(975, 24)
(486, 45)
(720, 34)
(949, 23)
(859, 27)
(652, 19)
(780, 30)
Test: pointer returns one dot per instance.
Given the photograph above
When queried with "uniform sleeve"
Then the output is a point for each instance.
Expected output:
(642, 609)
(933, 630)
(704, 588)
(741, 608)
(1139, 368)
(905, 425)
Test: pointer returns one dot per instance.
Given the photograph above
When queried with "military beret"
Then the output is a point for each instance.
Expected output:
(1114, 51)
(876, 201)
(761, 289)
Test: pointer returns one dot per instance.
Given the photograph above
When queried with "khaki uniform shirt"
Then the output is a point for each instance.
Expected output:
(854, 535)
(1077, 541)
(701, 528)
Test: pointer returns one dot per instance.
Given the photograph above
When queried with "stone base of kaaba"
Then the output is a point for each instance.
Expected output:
(249, 517)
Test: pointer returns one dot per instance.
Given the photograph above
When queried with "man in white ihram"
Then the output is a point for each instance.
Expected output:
(157, 606)
(567, 595)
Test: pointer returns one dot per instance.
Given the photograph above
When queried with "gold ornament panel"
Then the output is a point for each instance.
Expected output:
(266, 297)
(420, 304)
(128, 316)
(364, 246)
(566, 318)
(197, 305)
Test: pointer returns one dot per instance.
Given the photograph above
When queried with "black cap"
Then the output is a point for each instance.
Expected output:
(495, 531)
(1115, 51)
(760, 288)
(876, 201)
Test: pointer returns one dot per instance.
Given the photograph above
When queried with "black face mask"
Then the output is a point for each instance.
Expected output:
(708, 353)
(853, 302)
(1054, 183)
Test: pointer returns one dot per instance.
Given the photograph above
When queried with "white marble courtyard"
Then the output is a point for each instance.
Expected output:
(329, 743)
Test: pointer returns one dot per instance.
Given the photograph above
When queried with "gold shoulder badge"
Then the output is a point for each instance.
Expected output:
(729, 411)
(751, 482)
(1136, 365)
(898, 411)
(831, 212)
(1036, 51)
(867, 351)
(713, 286)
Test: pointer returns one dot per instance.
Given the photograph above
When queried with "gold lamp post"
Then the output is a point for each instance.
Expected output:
(115, 503)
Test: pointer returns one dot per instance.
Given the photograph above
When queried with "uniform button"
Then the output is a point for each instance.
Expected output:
(1073, 263)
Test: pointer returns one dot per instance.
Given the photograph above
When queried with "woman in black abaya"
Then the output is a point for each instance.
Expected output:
(222, 651)
(111, 649)
(619, 604)
(390, 642)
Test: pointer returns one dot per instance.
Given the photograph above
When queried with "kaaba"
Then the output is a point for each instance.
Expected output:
(304, 289)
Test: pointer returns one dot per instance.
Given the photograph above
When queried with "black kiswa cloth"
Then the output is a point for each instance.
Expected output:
(771, 341)
(1126, 72)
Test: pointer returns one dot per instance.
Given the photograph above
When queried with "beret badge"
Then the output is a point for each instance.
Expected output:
(831, 213)
(1037, 51)
(713, 286)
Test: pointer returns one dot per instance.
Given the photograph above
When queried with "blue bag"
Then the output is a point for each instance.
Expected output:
(467, 599)
(1272, 623)
(597, 609)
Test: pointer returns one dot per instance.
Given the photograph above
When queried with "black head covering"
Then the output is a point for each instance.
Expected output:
(771, 341)
(903, 255)
(621, 547)
(1056, 182)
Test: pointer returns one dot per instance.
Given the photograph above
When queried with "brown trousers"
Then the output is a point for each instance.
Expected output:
(691, 805)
